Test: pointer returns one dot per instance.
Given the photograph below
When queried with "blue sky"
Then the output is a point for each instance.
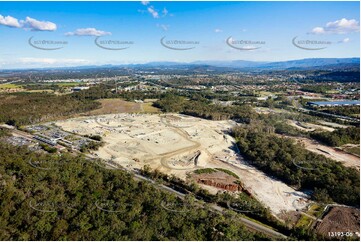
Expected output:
(259, 31)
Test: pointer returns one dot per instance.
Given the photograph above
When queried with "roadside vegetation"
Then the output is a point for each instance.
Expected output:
(78, 200)
(242, 203)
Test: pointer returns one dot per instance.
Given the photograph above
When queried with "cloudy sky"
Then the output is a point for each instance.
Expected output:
(47, 34)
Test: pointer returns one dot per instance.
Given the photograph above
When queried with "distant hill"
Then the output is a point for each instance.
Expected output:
(242, 65)
(283, 65)
(320, 63)
(231, 64)
(307, 63)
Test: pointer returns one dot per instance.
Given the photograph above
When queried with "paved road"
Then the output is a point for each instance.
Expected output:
(330, 114)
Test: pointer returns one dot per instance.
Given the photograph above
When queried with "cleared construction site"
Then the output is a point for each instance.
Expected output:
(179, 144)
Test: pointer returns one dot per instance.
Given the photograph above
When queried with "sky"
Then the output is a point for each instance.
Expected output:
(53, 34)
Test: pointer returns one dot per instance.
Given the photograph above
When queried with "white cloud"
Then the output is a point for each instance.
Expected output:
(88, 32)
(9, 21)
(165, 27)
(153, 12)
(145, 3)
(318, 30)
(28, 24)
(342, 26)
(36, 25)
(218, 30)
(165, 12)
(345, 40)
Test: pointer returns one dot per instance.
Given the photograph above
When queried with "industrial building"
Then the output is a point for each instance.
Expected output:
(335, 103)
(78, 89)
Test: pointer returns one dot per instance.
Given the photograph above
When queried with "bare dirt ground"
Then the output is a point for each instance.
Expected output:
(347, 159)
(340, 219)
(335, 125)
(178, 144)
(308, 127)
(116, 106)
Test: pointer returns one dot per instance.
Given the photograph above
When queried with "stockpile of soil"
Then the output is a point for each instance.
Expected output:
(340, 219)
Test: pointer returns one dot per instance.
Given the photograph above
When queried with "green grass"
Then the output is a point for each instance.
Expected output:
(67, 84)
(304, 222)
(206, 170)
(228, 172)
(8, 86)
(211, 170)
(60, 84)
(315, 210)
(149, 108)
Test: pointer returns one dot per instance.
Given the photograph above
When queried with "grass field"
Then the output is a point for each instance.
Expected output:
(304, 222)
(67, 84)
(9, 86)
(115, 105)
(148, 108)
(60, 84)
(42, 90)
(315, 210)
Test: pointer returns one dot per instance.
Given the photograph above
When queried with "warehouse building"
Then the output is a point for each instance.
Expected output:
(335, 103)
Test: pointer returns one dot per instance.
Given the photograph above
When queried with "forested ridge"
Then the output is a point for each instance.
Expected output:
(293, 164)
(204, 108)
(79, 200)
(27, 108)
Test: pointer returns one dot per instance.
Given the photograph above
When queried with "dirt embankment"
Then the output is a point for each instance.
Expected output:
(348, 160)
(219, 180)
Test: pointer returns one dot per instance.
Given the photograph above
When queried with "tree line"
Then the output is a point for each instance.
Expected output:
(79, 200)
(294, 165)
(338, 137)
